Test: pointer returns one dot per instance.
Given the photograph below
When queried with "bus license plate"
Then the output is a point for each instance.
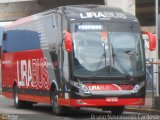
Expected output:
(112, 99)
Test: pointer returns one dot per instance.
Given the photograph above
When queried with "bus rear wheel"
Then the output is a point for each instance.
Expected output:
(57, 109)
(19, 103)
(117, 110)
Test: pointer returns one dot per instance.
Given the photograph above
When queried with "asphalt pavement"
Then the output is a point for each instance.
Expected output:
(148, 107)
(44, 112)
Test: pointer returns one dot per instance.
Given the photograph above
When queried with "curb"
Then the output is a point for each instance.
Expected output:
(143, 110)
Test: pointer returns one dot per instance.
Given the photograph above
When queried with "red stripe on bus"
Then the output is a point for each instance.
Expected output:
(8, 95)
(33, 98)
(65, 102)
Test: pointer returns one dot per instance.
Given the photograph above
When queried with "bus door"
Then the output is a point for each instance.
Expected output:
(64, 58)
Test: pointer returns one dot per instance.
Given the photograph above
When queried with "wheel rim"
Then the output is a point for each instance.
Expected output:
(16, 98)
(55, 102)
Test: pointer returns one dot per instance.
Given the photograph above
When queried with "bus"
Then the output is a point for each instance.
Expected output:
(75, 56)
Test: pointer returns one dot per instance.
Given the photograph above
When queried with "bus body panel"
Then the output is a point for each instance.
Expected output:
(35, 71)
(30, 71)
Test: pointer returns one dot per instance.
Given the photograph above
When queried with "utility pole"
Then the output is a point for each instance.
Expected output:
(156, 101)
(156, 20)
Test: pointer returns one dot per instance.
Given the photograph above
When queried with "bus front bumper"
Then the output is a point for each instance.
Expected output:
(109, 101)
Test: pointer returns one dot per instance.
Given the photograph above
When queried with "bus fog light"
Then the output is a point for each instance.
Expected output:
(81, 102)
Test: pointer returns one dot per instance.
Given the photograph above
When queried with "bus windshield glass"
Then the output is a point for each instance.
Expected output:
(106, 49)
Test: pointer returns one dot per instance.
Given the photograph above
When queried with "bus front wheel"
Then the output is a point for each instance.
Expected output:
(57, 109)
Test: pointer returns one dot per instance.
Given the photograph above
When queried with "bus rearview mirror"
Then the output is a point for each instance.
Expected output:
(152, 40)
(68, 41)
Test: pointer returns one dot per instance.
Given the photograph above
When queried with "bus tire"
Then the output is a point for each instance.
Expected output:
(27, 104)
(17, 103)
(117, 110)
(57, 109)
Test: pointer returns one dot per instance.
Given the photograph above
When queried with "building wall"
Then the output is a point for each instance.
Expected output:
(126, 5)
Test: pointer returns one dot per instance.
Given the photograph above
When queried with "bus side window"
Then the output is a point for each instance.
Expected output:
(4, 41)
(1, 40)
(21, 40)
(4, 36)
(54, 57)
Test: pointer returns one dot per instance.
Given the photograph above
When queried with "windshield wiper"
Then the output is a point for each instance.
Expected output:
(99, 64)
(130, 52)
(114, 55)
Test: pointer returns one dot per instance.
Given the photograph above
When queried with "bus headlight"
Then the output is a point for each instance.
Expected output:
(138, 87)
(81, 87)
(84, 89)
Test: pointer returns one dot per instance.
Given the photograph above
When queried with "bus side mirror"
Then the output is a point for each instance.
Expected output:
(68, 41)
(152, 40)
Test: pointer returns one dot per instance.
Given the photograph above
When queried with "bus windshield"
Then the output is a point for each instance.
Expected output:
(107, 49)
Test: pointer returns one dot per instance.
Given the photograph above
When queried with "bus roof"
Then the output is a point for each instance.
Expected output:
(95, 12)
(81, 13)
